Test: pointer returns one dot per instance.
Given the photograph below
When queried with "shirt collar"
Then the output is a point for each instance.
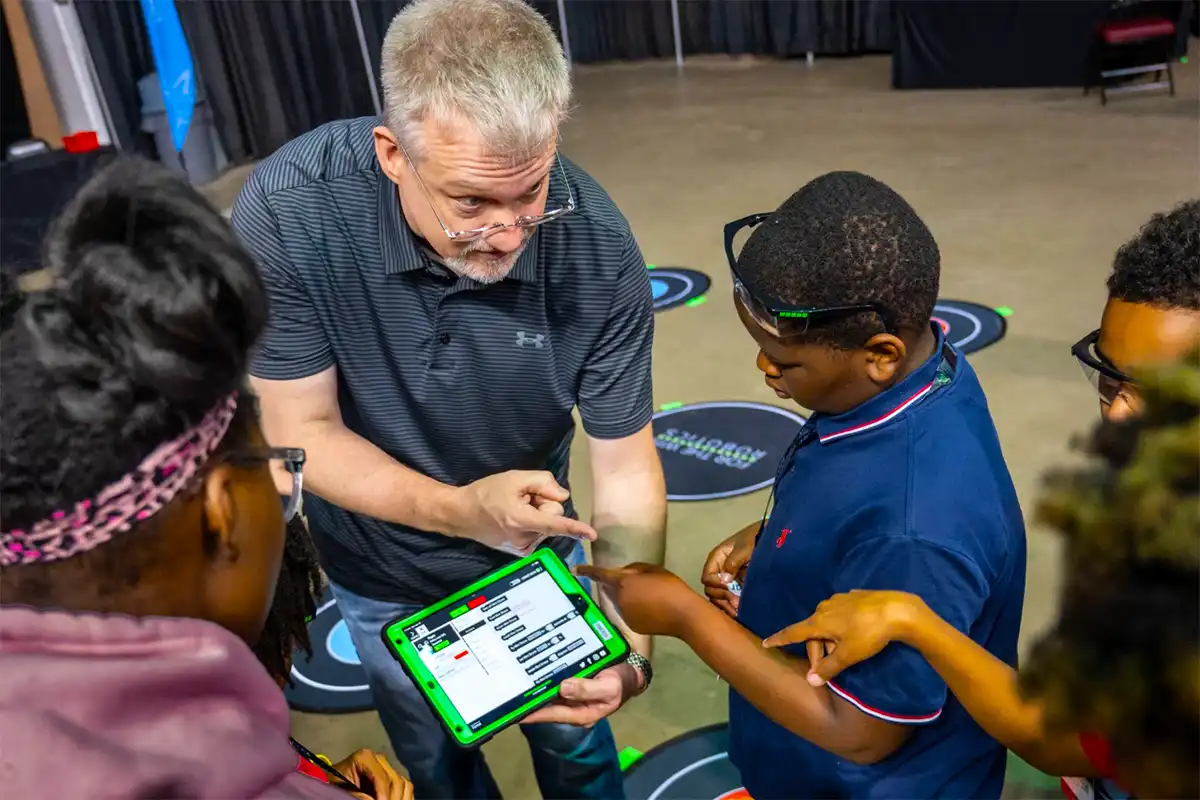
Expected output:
(401, 253)
(886, 406)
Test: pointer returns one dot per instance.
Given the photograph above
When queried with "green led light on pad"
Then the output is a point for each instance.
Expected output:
(670, 406)
(628, 756)
(696, 301)
(1004, 311)
(649, 266)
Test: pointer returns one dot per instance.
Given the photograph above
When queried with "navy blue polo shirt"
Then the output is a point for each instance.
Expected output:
(908, 491)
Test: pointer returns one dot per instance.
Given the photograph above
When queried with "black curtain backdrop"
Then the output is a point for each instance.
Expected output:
(961, 44)
(793, 27)
(120, 49)
(273, 69)
(269, 69)
(276, 68)
(604, 30)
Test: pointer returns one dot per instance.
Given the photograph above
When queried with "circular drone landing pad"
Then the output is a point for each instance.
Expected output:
(722, 449)
(332, 681)
(675, 286)
(969, 326)
(693, 766)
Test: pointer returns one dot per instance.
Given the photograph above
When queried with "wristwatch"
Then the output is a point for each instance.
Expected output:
(642, 665)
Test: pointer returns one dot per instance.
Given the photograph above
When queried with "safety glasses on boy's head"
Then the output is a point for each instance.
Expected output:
(1109, 381)
(782, 319)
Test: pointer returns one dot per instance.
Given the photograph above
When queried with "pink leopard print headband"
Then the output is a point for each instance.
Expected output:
(137, 496)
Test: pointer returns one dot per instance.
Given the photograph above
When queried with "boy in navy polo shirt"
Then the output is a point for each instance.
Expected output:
(896, 482)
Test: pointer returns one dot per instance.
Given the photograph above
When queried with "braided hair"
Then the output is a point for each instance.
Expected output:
(1124, 658)
(297, 593)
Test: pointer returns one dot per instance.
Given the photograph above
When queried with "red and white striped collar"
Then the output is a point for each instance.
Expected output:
(886, 406)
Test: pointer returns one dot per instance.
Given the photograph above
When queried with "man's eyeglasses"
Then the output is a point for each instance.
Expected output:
(1109, 381)
(781, 319)
(490, 230)
(293, 462)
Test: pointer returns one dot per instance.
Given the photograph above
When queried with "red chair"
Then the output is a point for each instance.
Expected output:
(1123, 48)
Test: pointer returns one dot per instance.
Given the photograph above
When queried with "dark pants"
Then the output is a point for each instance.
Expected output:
(568, 761)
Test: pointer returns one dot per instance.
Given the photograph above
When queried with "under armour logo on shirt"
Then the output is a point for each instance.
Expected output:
(537, 340)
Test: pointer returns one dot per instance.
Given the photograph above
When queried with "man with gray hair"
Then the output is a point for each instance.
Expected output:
(445, 290)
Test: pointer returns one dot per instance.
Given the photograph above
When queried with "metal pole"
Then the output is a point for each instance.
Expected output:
(99, 88)
(366, 56)
(562, 27)
(676, 32)
(70, 76)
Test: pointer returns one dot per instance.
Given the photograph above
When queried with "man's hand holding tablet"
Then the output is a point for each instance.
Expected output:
(586, 701)
(524, 643)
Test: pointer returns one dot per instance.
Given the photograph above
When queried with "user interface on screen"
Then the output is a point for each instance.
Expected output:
(508, 642)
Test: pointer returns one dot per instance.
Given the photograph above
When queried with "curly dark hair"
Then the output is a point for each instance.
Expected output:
(846, 238)
(297, 593)
(150, 319)
(1124, 657)
(1161, 265)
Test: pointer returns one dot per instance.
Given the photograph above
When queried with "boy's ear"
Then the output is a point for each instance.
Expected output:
(885, 353)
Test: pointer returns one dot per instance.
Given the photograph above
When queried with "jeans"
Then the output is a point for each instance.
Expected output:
(568, 761)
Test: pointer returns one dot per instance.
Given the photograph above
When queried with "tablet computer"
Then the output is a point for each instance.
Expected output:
(488, 655)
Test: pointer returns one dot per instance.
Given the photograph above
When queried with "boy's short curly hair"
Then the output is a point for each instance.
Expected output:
(1161, 265)
(846, 238)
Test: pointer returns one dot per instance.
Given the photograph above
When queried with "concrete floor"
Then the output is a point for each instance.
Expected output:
(1028, 192)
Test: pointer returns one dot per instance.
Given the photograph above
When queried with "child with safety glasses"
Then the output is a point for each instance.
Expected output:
(1110, 697)
(896, 482)
(1152, 316)
(1153, 310)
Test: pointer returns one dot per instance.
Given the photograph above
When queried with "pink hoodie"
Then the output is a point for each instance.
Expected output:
(108, 706)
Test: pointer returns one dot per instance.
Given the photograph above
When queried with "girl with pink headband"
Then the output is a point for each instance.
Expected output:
(140, 530)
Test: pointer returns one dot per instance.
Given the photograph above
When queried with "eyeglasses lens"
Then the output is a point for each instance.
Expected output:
(1107, 387)
(295, 498)
(757, 311)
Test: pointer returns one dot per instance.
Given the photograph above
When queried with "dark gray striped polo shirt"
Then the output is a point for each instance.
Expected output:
(452, 378)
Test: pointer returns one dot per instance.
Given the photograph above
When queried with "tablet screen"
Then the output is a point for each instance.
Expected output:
(507, 643)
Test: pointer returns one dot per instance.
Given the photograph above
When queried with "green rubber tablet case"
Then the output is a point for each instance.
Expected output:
(503, 645)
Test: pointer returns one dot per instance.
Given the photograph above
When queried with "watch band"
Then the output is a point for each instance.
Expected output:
(642, 665)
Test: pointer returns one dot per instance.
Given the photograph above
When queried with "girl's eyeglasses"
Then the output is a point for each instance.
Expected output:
(293, 462)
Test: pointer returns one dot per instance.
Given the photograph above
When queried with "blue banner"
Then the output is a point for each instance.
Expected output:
(173, 60)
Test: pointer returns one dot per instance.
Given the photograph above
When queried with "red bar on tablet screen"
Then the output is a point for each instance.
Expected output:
(460, 655)
(477, 602)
